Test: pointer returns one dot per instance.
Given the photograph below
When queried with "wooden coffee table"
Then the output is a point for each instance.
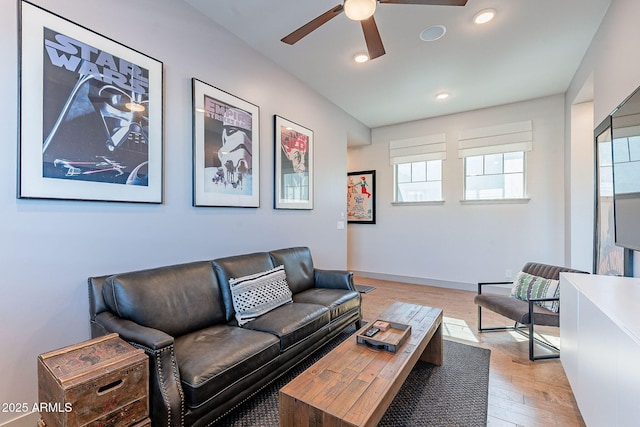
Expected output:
(353, 385)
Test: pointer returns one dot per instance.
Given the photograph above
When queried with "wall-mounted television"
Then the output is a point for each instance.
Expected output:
(626, 172)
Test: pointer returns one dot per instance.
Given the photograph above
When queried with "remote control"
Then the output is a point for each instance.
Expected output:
(371, 332)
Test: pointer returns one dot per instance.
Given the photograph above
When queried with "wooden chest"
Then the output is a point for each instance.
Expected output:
(100, 382)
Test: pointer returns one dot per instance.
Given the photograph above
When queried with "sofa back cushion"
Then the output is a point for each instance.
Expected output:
(298, 265)
(234, 267)
(175, 299)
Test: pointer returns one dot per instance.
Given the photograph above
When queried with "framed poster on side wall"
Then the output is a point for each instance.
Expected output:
(226, 149)
(293, 165)
(361, 197)
(90, 114)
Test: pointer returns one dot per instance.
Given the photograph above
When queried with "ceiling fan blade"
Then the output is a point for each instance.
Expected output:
(428, 2)
(372, 37)
(314, 24)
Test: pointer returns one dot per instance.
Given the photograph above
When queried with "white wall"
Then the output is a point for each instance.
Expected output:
(464, 243)
(614, 63)
(580, 189)
(49, 248)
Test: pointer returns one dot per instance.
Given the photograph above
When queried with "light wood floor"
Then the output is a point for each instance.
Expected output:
(521, 392)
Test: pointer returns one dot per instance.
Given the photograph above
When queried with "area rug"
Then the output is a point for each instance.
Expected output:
(364, 289)
(454, 394)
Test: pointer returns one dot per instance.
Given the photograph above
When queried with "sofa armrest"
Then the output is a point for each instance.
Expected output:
(334, 279)
(166, 396)
(143, 336)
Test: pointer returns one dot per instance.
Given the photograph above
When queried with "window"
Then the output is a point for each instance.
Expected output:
(417, 168)
(494, 176)
(418, 181)
(494, 160)
(626, 156)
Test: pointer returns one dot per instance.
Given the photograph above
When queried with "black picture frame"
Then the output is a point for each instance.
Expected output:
(361, 197)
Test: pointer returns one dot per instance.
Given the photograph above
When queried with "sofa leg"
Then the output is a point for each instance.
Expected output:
(358, 324)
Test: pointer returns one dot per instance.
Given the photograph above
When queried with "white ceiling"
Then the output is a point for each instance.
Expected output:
(530, 50)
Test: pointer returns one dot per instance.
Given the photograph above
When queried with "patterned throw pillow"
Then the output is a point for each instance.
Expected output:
(528, 286)
(259, 293)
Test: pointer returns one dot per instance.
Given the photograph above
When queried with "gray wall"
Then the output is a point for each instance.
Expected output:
(459, 244)
(49, 248)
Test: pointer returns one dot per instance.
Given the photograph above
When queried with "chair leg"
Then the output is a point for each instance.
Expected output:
(532, 339)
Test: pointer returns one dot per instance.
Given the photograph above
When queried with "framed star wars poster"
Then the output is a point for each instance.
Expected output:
(226, 149)
(361, 197)
(90, 114)
(293, 165)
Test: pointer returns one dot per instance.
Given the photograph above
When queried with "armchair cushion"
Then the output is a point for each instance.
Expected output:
(517, 310)
(528, 286)
(259, 293)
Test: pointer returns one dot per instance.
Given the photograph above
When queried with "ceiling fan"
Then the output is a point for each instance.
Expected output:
(361, 10)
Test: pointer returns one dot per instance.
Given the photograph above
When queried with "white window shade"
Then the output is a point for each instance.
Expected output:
(504, 138)
(423, 148)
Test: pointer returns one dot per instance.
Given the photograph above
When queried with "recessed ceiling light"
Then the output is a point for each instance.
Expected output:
(443, 95)
(361, 57)
(484, 16)
(433, 33)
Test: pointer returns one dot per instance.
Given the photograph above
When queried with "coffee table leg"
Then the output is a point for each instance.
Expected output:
(434, 352)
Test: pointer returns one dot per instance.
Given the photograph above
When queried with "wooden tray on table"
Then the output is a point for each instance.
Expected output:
(390, 339)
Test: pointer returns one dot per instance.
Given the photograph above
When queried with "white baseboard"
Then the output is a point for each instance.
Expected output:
(461, 286)
(27, 420)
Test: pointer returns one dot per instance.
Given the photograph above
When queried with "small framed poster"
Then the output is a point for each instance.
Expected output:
(361, 197)
(293, 165)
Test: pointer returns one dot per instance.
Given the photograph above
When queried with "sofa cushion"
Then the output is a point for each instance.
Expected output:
(292, 323)
(528, 286)
(238, 266)
(259, 293)
(338, 301)
(299, 267)
(214, 358)
(174, 299)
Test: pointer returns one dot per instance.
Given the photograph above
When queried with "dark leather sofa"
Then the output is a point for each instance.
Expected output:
(202, 364)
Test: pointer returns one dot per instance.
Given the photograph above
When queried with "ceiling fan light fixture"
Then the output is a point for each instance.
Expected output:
(361, 57)
(359, 10)
(484, 16)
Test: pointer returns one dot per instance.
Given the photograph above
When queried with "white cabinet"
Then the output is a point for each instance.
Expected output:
(600, 346)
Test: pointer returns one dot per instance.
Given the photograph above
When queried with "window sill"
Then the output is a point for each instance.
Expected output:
(524, 200)
(425, 203)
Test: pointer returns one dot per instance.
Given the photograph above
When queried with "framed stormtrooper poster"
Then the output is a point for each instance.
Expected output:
(293, 165)
(226, 149)
(90, 114)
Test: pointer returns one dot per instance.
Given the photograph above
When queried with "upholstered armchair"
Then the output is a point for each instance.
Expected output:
(534, 300)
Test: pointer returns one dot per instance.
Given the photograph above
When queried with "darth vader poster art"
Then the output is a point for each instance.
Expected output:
(91, 114)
